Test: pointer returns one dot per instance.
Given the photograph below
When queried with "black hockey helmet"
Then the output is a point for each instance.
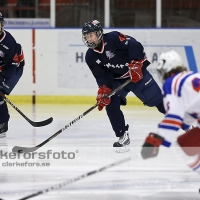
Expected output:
(1, 21)
(89, 27)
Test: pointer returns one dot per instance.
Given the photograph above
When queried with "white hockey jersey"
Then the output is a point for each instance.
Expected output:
(181, 94)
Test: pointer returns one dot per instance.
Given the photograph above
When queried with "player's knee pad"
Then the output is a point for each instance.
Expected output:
(190, 142)
(114, 104)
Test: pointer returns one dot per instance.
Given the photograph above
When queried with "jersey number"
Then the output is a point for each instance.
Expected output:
(196, 84)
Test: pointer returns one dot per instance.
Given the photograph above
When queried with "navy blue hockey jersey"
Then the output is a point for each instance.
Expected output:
(111, 62)
(11, 55)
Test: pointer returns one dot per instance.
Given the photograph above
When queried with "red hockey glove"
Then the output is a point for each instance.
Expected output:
(101, 100)
(151, 145)
(135, 70)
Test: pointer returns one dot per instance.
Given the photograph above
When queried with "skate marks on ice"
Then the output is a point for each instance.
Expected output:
(91, 140)
(133, 179)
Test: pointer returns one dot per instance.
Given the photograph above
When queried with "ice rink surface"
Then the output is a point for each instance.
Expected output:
(87, 146)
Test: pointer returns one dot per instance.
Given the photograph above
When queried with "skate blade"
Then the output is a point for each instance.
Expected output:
(122, 149)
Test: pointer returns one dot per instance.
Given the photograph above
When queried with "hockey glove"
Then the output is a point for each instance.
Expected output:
(135, 70)
(101, 100)
(151, 145)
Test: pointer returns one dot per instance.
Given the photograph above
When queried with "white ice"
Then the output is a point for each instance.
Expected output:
(165, 177)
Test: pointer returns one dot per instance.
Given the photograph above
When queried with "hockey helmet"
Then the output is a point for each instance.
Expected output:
(89, 27)
(166, 62)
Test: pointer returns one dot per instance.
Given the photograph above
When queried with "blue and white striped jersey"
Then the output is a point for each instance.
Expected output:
(181, 94)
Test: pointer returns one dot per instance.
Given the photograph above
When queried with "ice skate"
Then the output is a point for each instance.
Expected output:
(122, 145)
(3, 129)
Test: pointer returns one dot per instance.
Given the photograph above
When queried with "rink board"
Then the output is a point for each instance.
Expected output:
(56, 71)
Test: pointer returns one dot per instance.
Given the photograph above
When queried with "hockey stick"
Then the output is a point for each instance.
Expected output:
(72, 180)
(31, 149)
(35, 124)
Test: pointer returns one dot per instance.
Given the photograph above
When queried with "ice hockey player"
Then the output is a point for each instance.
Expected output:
(181, 90)
(11, 69)
(113, 58)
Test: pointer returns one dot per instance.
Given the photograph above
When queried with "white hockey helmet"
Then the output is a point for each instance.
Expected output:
(168, 61)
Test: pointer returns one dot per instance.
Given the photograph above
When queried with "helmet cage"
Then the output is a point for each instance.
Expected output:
(161, 70)
(166, 62)
(161, 74)
(89, 27)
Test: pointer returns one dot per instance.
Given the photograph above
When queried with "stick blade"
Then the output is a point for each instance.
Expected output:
(42, 123)
(17, 149)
